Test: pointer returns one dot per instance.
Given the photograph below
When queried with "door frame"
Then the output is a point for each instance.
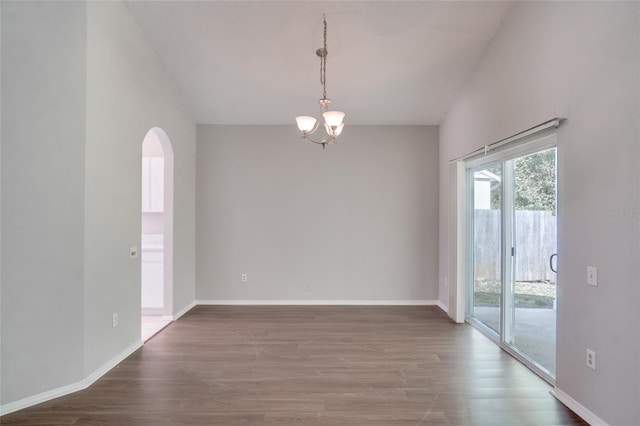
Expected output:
(168, 214)
(536, 139)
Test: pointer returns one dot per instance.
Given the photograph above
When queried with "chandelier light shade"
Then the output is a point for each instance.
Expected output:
(333, 120)
(306, 123)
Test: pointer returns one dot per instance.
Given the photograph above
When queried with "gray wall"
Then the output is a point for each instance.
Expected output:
(43, 117)
(128, 94)
(356, 221)
(582, 61)
(80, 89)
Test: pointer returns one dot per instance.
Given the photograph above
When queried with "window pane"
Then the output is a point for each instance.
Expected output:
(487, 246)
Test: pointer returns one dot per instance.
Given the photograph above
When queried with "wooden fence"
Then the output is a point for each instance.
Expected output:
(535, 243)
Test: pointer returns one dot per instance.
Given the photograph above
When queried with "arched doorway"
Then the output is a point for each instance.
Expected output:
(156, 285)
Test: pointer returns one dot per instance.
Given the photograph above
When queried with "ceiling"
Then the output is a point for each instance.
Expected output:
(254, 62)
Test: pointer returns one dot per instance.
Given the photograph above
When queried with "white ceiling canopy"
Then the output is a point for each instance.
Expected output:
(254, 62)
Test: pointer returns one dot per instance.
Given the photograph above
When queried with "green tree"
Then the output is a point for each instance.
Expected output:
(535, 182)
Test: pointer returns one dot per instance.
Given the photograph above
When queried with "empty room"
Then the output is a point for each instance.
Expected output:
(319, 212)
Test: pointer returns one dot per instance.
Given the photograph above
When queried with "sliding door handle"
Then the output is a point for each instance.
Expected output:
(551, 263)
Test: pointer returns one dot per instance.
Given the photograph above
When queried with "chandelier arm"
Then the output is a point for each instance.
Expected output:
(332, 139)
(315, 127)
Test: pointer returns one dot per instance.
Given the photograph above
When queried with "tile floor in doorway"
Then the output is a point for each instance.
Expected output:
(151, 325)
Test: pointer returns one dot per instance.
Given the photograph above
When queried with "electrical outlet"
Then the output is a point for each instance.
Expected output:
(591, 359)
(114, 320)
(592, 276)
(244, 278)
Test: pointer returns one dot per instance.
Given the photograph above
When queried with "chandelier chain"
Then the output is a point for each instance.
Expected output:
(323, 62)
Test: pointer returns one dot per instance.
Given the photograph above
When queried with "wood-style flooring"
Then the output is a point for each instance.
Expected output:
(222, 365)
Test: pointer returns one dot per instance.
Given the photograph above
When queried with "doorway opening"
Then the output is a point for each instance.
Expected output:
(512, 244)
(156, 248)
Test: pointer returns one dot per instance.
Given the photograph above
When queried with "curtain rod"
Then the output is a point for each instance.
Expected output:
(555, 122)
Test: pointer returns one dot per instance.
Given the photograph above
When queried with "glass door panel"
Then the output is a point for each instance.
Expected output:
(530, 238)
(512, 249)
(486, 292)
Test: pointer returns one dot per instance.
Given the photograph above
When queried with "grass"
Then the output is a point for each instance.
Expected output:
(486, 299)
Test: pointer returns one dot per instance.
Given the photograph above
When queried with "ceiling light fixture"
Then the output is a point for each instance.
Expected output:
(333, 120)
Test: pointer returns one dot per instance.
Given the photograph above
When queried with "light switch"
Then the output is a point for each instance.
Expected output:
(133, 252)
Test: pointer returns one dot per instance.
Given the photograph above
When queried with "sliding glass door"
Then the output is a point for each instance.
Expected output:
(511, 244)
(486, 294)
(530, 321)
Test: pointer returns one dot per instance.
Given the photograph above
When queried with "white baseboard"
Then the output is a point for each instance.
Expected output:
(184, 310)
(41, 397)
(70, 388)
(443, 307)
(111, 363)
(306, 302)
(577, 408)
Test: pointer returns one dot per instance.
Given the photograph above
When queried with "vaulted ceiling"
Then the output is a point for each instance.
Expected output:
(254, 62)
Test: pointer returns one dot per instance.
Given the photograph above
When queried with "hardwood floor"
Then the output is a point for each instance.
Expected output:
(221, 365)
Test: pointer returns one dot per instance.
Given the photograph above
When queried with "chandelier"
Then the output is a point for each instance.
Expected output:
(333, 120)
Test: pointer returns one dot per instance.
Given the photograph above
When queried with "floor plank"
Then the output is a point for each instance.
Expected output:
(224, 365)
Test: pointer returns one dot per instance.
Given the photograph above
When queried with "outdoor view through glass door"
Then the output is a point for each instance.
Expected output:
(512, 244)
(530, 322)
(486, 297)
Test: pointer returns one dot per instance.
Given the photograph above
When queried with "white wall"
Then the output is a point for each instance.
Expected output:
(582, 61)
(127, 94)
(43, 117)
(356, 221)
